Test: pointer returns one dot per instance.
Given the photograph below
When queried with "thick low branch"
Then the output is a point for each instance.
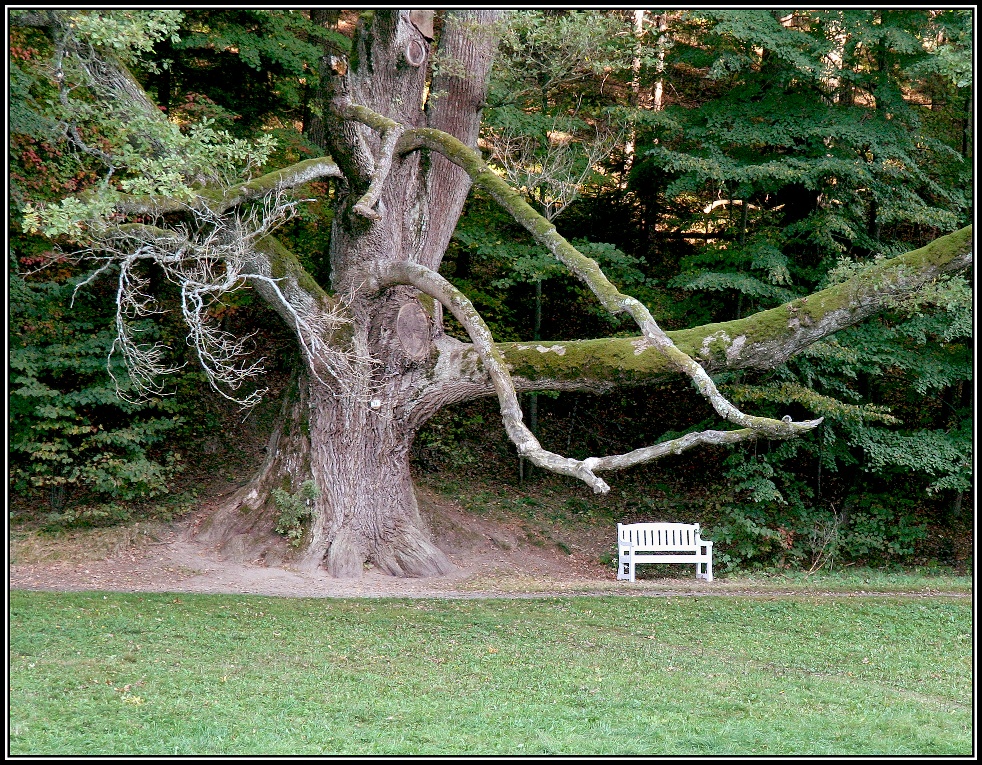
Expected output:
(431, 283)
(463, 310)
(321, 322)
(761, 341)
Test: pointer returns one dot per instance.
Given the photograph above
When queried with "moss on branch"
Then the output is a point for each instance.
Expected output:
(278, 180)
(220, 200)
(284, 264)
(757, 341)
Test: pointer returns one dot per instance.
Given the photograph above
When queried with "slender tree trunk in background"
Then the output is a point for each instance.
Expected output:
(658, 99)
(741, 240)
(164, 77)
(837, 37)
(872, 220)
(955, 509)
(533, 398)
(966, 137)
(629, 144)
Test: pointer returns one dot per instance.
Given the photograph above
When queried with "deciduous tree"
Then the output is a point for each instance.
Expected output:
(376, 362)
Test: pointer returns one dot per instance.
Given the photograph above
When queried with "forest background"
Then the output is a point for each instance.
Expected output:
(715, 163)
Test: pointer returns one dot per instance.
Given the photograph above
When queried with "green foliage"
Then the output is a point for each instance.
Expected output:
(882, 528)
(742, 537)
(26, 114)
(84, 516)
(944, 456)
(546, 55)
(271, 56)
(69, 431)
(202, 151)
(917, 362)
(128, 32)
(495, 263)
(830, 160)
(446, 440)
(878, 530)
(295, 510)
(806, 145)
(74, 444)
(138, 152)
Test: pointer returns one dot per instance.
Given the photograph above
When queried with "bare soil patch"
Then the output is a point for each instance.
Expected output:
(494, 557)
(491, 558)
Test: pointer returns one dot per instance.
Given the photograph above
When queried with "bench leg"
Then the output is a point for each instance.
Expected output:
(625, 566)
(704, 568)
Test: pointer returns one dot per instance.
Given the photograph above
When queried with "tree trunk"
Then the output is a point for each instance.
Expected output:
(353, 440)
(366, 510)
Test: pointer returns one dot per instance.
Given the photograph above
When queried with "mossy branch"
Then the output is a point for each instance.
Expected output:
(586, 269)
(431, 283)
(220, 200)
(760, 341)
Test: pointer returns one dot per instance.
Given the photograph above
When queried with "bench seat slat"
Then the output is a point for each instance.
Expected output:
(667, 558)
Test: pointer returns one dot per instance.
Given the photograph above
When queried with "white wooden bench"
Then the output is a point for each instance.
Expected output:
(662, 543)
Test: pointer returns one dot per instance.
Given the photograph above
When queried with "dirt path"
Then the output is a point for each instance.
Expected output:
(169, 563)
(177, 565)
(501, 557)
(490, 559)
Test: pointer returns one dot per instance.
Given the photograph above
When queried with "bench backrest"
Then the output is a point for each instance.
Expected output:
(659, 536)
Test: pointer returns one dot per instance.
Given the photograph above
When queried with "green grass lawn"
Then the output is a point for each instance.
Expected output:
(100, 673)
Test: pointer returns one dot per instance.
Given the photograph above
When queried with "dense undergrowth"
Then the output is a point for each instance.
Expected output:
(462, 458)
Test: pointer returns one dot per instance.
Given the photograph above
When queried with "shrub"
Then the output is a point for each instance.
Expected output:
(295, 510)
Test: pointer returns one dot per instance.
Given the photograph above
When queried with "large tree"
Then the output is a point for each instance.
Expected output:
(402, 111)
